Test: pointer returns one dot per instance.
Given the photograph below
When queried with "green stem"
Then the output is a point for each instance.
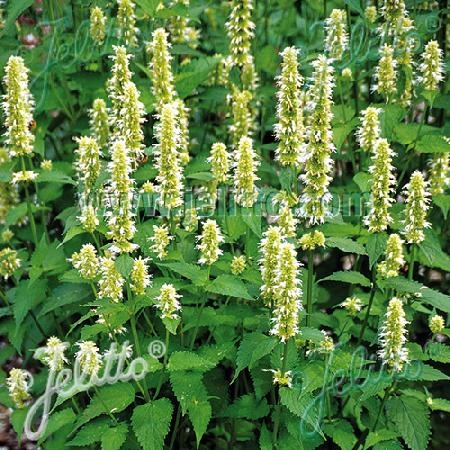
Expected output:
(372, 296)
(411, 262)
(385, 398)
(309, 288)
(5, 299)
(29, 210)
(276, 425)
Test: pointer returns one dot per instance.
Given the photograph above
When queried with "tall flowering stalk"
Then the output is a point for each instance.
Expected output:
(270, 250)
(392, 11)
(89, 357)
(99, 122)
(18, 386)
(318, 166)
(404, 47)
(209, 242)
(126, 19)
(432, 68)
(382, 186)
(392, 337)
(168, 302)
(240, 31)
(386, 73)
(140, 278)
(121, 189)
(169, 178)
(87, 164)
(245, 167)
(290, 130)
(121, 76)
(183, 127)
(336, 36)
(111, 282)
(242, 120)
(160, 66)
(18, 105)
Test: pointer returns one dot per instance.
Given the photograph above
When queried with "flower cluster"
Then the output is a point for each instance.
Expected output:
(386, 74)
(161, 239)
(23, 176)
(394, 257)
(89, 357)
(86, 261)
(140, 278)
(53, 353)
(353, 305)
(220, 162)
(111, 282)
(183, 129)
(383, 181)
(9, 262)
(316, 197)
(311, 241)
(392, 336)
(270, 251)
(436, 324)
(88, 163)
(290, 130)
(209, 242)
(126, 19)
(417, 204)
(287, 294)
(439, 173)
(336, 39)
(18, 386)
(245, 167)
(168, 302)
(98, 23)
(238, 264)
(431, 68)
(369, 131)
(242, 120)
(99, 122)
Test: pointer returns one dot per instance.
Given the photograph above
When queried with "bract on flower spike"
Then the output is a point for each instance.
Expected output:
(245, 167)
(392, 337)
(382, 187)
(18, 108)
(316, 197)
(336, 35)
(417, 205)
(209, 242)
(170, 175)
(290, 130)
(287, 294)
(268, 263)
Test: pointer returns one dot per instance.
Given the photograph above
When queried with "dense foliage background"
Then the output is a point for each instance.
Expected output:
(215, 386)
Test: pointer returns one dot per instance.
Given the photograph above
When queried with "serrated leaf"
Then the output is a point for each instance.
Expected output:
(431, 143)
(124, 265)
(114, 437)
(57, 420)
(412, 420)
(440, 404)
(194, 273)
(374, 437)
(108, 399)
(348, 276)
(188, 361)
(376, 245)
(346, 245)
(439, 352)
(151, 423)
(229, 285)
(248, 407)
(27, 296)
(342, 433)
(90, 433)
(66, 294)
(253, 347)
(362, 179)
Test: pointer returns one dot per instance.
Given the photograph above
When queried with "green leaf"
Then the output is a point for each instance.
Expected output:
(412, 420)
(124, 265)
(54, 176)
(376, 245)
(342, 433)
(440, 404)
(374, 437)
(90, 433)
(194, 273)
(188, 361)
(253, 347)
(27, 296)
(66, 294)
(346, 245)
(431, 143)
(443, 201)
(57, 420)
(109, 399)
(229, 285)
(431, 253)
(114, 437)
(148, 6)
(439, 352)
(362, 179)
(348, 277)
(248, 407)
(151, 423)
(15, 8)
